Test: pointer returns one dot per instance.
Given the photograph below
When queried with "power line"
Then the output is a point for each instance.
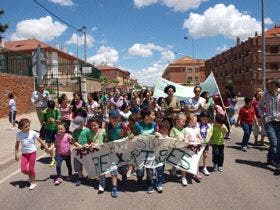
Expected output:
(54, 15)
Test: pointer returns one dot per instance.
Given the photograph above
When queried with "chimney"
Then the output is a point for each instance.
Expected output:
(237, 40)
(256, 33)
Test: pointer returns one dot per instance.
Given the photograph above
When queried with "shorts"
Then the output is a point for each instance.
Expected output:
(50, 136)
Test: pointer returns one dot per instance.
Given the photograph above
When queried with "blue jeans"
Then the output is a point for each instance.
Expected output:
(273, 133)
(59, 159)
(247, 130)
(151, 183)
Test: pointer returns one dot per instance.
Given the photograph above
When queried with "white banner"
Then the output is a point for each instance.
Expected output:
(142, 151)
(183, 92)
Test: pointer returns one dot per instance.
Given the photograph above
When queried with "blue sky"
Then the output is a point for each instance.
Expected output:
(140, 36)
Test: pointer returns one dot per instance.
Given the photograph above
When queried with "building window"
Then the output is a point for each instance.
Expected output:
(274, 66)
(274, 50)
(189, 79)
(190, 70)
(196, 69)
(196, 79)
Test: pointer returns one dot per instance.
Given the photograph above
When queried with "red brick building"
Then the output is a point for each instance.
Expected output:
(115, 73)
(185, 71)
(242, 64)
(56, 57)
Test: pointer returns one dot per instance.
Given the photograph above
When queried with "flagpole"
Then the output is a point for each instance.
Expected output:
(221, 99)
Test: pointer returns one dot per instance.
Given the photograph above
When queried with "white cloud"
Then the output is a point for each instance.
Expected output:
(176, 5)
(222, 48)
(73, 40)
(222, 20)
(63, 2)
(143, 3)
(94, 29)
(268, 21)
(43, 29)
(105, 55)
(148, 76)
(143, 50)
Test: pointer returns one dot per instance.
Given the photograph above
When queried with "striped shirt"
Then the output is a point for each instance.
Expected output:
(269, 107)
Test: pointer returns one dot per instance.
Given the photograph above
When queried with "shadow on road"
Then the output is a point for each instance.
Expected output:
(252, 146)
(20, 184)
(257, 164)
(44, 160)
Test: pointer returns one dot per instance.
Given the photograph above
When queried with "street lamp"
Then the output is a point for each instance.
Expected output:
(192, 46)
(85, 41)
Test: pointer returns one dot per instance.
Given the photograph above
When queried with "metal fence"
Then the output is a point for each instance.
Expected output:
(15, 63)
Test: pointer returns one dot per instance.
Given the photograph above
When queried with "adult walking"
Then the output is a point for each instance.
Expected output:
(269, 110)
(258, 129)
(40, 100)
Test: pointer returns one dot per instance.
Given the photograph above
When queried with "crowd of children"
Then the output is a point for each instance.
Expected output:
(102, 119)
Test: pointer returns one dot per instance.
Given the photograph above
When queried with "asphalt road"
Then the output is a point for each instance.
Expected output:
(246, 183)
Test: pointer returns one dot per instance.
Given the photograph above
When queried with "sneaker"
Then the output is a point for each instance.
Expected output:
(197, 178)
(58, 181)
(32, 186)
(221, 169)
(215, 167)
(150, 190)
(78, 182)
(52, 163)
(184, 181)
(100, 189)
(244, 149)
(173, 171)
(159, 189)
(114, 192)
(205, 171)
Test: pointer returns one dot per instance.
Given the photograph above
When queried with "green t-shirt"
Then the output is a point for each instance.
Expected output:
(82, 136)
(177, 133)
(100, 138)
(218, 135)
(48, 113)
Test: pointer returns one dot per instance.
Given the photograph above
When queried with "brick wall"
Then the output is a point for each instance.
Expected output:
(22, 87)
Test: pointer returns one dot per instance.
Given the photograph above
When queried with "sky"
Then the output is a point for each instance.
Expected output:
(140, 36)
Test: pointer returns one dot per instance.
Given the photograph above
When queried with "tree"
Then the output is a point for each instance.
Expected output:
(3, 27)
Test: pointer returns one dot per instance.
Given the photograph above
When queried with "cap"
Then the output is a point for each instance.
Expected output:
(78, 121)
(114, 113)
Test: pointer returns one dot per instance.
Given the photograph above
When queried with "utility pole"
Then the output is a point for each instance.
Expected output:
(263, 50)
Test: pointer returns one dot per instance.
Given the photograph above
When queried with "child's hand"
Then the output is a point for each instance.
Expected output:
(17, 157)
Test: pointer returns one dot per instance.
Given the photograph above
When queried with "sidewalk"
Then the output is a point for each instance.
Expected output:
(8, 137)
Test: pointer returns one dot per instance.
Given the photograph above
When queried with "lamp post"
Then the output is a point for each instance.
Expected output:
(263, 49)
(85, 41)
(192, 46)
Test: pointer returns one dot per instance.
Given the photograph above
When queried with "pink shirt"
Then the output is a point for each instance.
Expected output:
(63, 144)
(65, 112)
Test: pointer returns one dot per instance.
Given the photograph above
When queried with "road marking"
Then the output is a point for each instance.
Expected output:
(15, 172)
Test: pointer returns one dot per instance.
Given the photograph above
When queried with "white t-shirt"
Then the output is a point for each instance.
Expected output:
(91, 106)
(12, 105)
(196, 104)
(27, 141)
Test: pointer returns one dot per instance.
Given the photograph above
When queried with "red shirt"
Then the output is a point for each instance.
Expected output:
(246, 115)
